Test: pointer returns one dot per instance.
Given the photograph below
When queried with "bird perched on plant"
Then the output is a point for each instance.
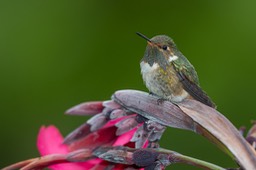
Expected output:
(168, 74)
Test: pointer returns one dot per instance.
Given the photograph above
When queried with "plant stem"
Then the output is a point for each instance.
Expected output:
(191, 161)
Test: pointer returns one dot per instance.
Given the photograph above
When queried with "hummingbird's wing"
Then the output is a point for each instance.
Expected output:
(189, 79)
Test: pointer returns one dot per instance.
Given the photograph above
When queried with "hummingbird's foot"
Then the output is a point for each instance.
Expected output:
(161, 100)
(152, 94)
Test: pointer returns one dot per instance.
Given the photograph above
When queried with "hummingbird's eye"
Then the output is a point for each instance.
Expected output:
(164, 47)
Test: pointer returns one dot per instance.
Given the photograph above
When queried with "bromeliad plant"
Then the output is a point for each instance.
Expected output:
(124, 133)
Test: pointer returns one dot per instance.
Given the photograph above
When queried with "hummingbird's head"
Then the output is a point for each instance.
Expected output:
(161, 49)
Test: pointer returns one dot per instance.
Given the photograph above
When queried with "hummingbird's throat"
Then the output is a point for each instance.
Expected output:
(172, 58)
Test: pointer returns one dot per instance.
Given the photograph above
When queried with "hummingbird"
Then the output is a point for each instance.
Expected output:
(168, 74)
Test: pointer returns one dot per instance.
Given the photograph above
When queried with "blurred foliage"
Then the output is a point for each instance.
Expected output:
(56, 54)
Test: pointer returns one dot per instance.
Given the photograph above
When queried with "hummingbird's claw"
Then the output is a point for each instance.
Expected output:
(151, 93)
(161, 100)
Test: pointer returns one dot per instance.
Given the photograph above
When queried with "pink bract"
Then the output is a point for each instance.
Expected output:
(50, 141)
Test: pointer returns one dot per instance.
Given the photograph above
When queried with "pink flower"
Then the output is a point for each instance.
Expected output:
(50, 141)
(111, 127)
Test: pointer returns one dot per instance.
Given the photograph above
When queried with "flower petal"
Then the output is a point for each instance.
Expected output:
(87, 108)
(126, 125)
(104, 136)
(78, 133)
(49, 141)
(111, 104)
(84, 130)
(124, 138)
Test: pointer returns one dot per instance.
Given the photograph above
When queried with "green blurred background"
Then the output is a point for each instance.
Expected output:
(56, 54)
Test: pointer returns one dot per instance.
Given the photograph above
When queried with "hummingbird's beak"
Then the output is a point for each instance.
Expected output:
(146, 38)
